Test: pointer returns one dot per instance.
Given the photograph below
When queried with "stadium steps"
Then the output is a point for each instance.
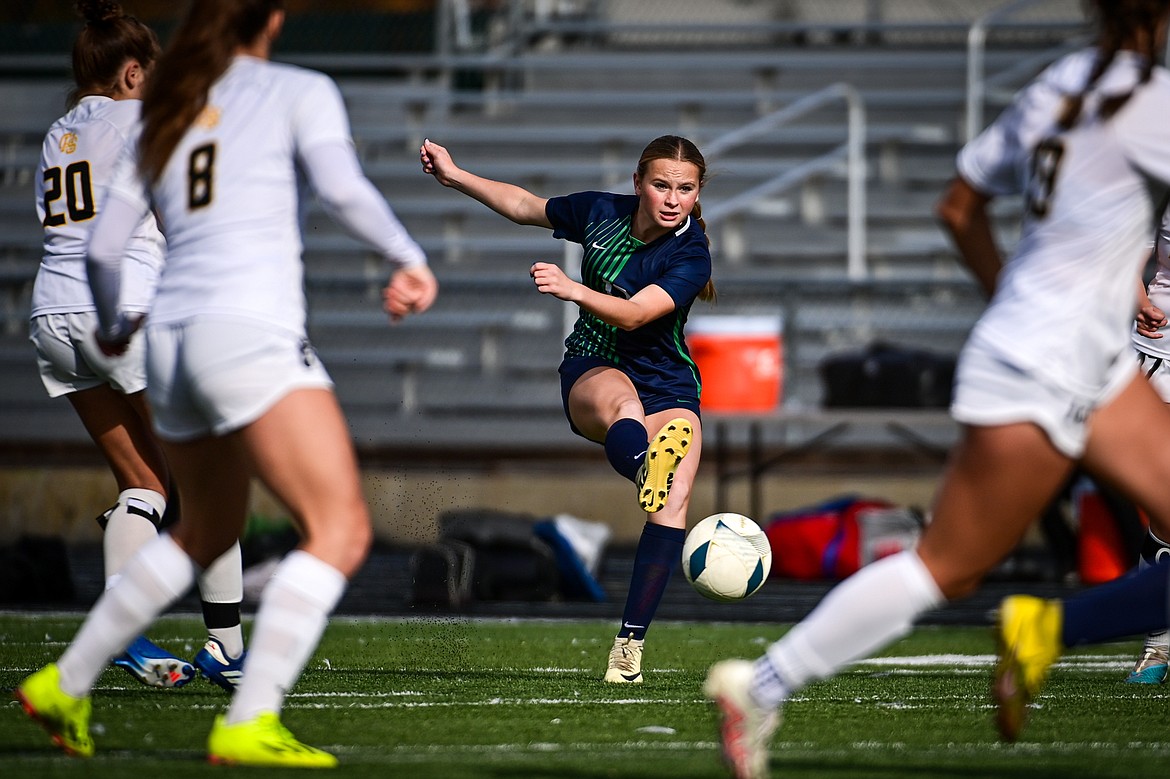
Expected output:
(483, 362)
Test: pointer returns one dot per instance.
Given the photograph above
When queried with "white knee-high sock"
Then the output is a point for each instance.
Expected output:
(869, 610)
(151, 581)
(223, 582)
(293, 611)
(130, 525)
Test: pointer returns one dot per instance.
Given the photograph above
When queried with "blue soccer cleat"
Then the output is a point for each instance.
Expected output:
(154, 666)
(213, 662)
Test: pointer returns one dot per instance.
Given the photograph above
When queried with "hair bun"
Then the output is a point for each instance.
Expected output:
(96, 11)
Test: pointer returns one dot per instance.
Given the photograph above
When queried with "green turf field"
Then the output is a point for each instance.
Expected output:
(456, 698)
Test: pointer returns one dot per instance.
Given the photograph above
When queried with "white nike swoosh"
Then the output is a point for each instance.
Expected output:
(596, 245)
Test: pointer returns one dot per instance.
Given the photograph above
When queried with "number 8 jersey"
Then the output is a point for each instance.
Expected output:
(229, 198)
(78, 160)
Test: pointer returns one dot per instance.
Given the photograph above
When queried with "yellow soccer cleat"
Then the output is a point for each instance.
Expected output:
(262, 741)
(65, 717)
(1027, 636)
(625, 661)
(663, 455)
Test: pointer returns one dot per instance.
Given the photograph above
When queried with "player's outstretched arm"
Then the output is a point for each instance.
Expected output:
(352, 200)
(508, 200)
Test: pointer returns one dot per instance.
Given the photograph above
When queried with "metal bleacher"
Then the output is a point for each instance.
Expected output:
(480, 369)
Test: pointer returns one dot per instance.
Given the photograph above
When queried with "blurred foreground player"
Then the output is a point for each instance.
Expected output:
(112, 59)
(236, 388)
(1086, 145)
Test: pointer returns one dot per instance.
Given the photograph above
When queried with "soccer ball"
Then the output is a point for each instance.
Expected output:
(726, 557)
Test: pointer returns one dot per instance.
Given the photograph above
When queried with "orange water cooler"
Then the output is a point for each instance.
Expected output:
(740, 359)
(1101, 555)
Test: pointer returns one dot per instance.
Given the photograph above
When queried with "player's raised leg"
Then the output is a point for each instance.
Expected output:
(664, 454)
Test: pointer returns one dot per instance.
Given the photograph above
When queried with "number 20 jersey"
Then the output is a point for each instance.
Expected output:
(78, 159)
(1064, 301)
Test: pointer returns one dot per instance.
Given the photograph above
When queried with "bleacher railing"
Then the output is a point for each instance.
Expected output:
(517, 26)
(1001, 86)
(728, 213)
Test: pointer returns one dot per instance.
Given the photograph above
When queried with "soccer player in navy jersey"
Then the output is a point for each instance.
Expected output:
(626, 368)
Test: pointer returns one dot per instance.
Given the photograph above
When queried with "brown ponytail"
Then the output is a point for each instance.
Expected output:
(707, 293)
(675, 147)
(108, 40)
(1121, 23)
(200, 52)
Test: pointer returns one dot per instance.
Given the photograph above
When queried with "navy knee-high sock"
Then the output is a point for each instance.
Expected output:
(659, 551)
(625, 446)
(1135, 604)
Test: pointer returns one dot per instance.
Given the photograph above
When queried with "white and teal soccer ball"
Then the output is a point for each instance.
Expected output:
(726, 557)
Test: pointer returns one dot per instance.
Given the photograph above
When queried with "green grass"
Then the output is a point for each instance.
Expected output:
(457, 698)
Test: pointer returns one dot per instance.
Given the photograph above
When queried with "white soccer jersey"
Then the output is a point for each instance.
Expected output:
(1065, 300)
(78, 160)
(1159, 292)
(229, 198)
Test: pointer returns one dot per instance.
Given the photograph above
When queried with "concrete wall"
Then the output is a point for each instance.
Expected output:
(406, 503)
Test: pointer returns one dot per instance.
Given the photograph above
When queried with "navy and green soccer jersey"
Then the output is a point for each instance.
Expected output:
(616, 263)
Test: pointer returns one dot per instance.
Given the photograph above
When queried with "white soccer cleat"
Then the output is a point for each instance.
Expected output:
(625, 661)
(745, 728)
(1151, 667)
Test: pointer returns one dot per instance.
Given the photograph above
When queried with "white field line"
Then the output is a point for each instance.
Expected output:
(957, 664)
(406, 754)
(786, 748)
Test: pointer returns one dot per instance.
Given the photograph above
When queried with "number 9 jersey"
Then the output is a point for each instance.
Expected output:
(78, 159)
(1064, 301)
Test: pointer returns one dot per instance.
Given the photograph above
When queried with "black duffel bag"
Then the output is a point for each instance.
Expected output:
(888, 376)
